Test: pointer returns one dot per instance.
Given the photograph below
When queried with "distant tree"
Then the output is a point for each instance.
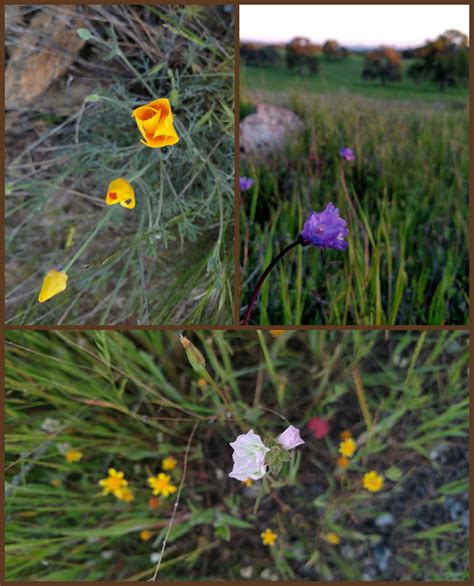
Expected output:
(254, 54)
(444, 61)
(384, 64)
(345, 52)
(332, 50)
(408, 53)
(301, 55)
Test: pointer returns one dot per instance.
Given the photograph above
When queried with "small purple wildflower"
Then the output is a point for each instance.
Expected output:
(245, 183)
(347, 153)
(326, 229)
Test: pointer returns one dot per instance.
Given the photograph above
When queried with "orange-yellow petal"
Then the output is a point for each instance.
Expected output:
(120, 191)
(155, 123)
(53, 283)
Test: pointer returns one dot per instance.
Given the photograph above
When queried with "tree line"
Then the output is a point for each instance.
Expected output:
(444, 61)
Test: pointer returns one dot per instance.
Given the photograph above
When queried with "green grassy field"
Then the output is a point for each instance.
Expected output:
(344, 77)
(127, 400)
(408, 187)
(169, 260)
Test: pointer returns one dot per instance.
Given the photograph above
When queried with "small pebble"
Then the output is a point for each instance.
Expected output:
(384, 520)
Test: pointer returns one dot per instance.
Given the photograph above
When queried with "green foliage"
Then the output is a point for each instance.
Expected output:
(444, 61)
(170, 260)
(384, 64)
(260, 55)
(408, 185)
(129, 399)
(301, 56)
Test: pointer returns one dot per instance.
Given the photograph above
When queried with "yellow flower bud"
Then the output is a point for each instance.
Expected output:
(53, 283)
(155, 123)
(120, 191)
(196, 359)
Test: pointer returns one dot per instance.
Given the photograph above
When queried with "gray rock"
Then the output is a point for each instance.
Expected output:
(265, 132)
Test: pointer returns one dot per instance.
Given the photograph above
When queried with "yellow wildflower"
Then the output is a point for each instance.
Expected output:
(332, 538)
(54, 282)
(114, 483)
(155, 123)
(343, 462)
(268, 537)
(120, 191)
(372, 481)
(347, 447)
(248, 482)
(125, 494)
(146, 535)
(73, 456)
(277, 333)
(169, 463)
(161, 485)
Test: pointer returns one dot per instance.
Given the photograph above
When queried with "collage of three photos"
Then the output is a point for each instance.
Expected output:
(236, 293)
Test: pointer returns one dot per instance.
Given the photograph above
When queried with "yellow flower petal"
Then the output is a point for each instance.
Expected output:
(120, 191)
(332, 538)
(155, 123)
(146, 535)
(347, 447)
(169, 463)
(268, 537)
(73, 456)
(277, 333)
(372, 481)
(53, 283)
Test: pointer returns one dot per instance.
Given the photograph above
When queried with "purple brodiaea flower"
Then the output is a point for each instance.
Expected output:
(326, 229)
(347, 153)
(245, 183)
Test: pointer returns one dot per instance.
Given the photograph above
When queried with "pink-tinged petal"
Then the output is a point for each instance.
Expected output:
(290, 438)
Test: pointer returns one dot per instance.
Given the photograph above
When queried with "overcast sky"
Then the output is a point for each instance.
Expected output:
(396, 25)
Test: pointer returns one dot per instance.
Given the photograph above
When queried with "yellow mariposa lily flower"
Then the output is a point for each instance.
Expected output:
(53, 283)
(155, 123)
(120, 191)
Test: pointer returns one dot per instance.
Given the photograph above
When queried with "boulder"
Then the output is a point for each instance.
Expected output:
(44, 53)
(265, 132)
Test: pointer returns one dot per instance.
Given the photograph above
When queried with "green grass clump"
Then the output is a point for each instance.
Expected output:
(170, 260)
(129, 399)
(408, 186)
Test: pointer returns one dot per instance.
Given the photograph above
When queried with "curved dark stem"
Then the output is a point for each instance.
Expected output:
(264, 275)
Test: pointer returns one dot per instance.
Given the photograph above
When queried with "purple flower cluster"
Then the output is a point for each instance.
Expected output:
(347, 154)
(326, 229)
(245, 183)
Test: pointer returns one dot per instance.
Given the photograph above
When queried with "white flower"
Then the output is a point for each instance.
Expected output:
(249, 457)
(290, 438)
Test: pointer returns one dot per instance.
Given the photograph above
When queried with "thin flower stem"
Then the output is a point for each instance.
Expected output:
(87, 241)
(264, 275)
(360, 392)
(170, 524)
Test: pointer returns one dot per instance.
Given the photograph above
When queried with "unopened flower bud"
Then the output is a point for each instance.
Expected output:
(196, 359)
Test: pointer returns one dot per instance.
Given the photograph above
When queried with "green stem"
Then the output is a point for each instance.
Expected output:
(87, 241)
